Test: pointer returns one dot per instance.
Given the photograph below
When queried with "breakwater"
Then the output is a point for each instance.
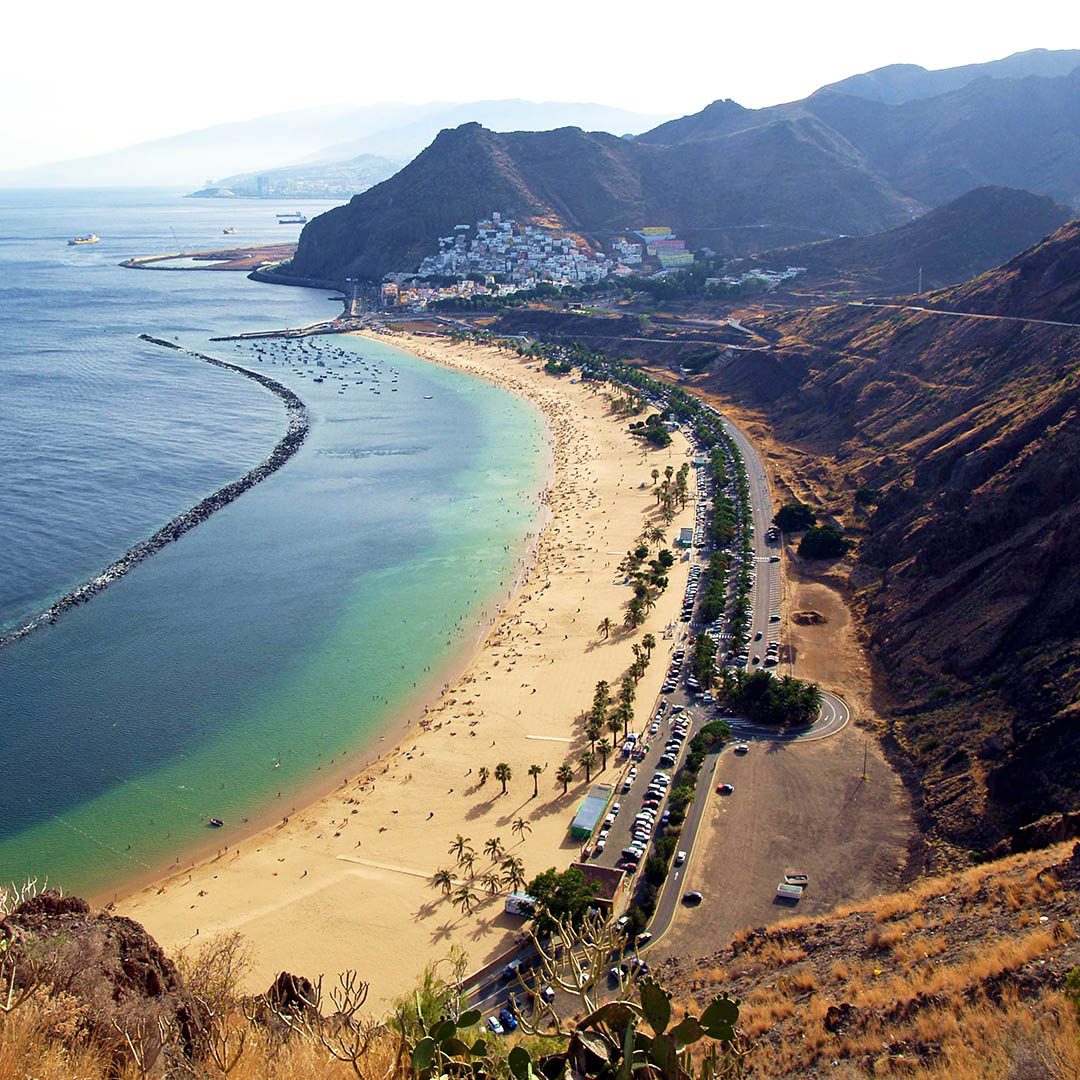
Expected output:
(295, 434)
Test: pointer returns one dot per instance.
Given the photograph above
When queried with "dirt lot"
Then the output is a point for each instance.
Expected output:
(796, 806)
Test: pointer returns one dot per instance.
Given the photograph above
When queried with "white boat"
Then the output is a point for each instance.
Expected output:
(89, 238)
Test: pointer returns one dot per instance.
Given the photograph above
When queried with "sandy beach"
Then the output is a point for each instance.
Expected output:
(345, 883)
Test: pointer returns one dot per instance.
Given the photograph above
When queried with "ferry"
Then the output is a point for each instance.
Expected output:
(89, 238)
(293, 217)
(230, 230)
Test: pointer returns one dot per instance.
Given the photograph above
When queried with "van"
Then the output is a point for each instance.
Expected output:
(792, 893)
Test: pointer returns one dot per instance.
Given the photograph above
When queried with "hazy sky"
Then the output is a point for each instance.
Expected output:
(78, 78)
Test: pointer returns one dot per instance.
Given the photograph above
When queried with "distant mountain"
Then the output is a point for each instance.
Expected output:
(405, 140)
(829, 165)
(953, 243)
(966, 574)
(1022, 133)
(326, 134)
(595, 184)
(897, 83)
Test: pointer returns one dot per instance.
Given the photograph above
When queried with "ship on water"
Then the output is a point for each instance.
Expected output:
(229, 230)
(293, 217)
(89, 238)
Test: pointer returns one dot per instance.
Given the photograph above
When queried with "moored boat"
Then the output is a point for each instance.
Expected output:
(89, 238)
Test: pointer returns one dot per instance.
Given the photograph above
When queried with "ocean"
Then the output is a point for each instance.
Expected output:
(249, 661)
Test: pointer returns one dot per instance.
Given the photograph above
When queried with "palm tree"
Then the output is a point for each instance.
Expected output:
(503, 774)
(648, 643)
(605, 748)
(655, 475)
(513, 873)
(467, 859)
(482, 774)
(592, 731)
(534, 772)
(669, 472)
(605, 627)
(464, 898)
(564, 774)
(602, 694)
(521, 827)
(654, 534)
(459, 845)
(615, 725)
(626, 714)
(492, 882)
(442, 879)
(494, 848)
(587, 760)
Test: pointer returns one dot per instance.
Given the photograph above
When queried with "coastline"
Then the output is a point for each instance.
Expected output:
(295, 433)
(307, 894)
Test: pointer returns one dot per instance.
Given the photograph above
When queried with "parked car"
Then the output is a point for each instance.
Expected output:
(680, 858)
(692, 898)
(496, 1027)
(725, 789)
(506, 1018)
(742, 748)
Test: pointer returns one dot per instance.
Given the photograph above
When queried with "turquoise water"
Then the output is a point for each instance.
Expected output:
(278, 639)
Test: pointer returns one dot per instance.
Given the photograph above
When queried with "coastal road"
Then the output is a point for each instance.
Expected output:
(964, 314)
(833, 717)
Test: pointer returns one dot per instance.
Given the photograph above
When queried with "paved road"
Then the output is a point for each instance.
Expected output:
(833, 717)
(963, 314)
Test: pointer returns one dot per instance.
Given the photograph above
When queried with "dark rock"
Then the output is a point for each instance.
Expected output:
(290, 993)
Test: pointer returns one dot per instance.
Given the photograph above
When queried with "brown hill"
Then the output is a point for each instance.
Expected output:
(1043, 283)
(953, 243)
(959, 977)
(967, 572)
(795, 174)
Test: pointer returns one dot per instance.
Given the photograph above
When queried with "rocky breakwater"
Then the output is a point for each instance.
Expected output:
(287, 445)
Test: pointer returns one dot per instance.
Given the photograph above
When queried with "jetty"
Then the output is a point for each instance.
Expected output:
(295, 434)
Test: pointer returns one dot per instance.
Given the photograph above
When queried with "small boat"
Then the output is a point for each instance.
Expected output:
(229, 230)
(89, 238)
(293, 217)
(427, 397)
(216, 822)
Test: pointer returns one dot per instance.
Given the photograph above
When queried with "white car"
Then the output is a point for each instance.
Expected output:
(680, 858)
(496, 1027)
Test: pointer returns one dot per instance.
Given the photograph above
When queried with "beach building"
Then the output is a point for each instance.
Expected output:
(590, 812)
(686, 538)
(609, 882)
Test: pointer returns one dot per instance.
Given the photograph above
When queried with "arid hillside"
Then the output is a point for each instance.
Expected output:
(959, 977)
(965, 435)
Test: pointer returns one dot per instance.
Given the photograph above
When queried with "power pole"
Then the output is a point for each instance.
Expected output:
(920, 279)
(864, 747)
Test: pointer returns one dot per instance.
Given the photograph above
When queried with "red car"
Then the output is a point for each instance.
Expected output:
(725, 789)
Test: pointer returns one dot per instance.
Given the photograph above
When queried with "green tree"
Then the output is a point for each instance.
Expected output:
(655, 475)
(468, 861)
(503, 774)
(459, 846)
(564, 774)
(465, 898)
(648, 643)
(493, 848)
(587, 761)
(521, 827)
(492, 882)
(513, 873)
(482, 774)
(794, 517)
(534, 772)
(565, 896)
(443, 879)
(605, 627)
(604, 747)
(823, 542)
